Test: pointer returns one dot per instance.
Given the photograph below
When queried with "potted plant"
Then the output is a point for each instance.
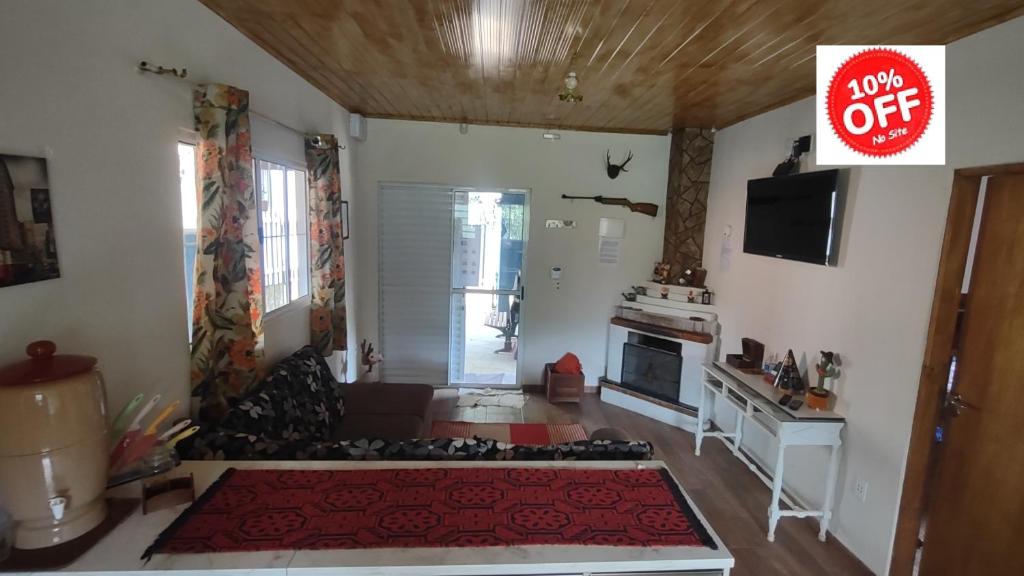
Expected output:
(819, 396)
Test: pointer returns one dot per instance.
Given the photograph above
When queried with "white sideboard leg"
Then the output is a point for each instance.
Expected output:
(773, 506)
(739, 432)
(702, 416)
(830, 491)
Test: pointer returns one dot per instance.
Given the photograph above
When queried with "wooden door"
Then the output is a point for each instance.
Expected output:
(976, 509)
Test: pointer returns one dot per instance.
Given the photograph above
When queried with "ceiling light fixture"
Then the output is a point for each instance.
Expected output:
(569, 93)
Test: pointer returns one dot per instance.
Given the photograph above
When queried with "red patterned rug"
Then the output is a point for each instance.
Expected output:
(527, 434)
(250, 510)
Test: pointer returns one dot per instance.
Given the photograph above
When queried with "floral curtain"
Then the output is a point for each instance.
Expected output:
(327, 251)
(227, 308)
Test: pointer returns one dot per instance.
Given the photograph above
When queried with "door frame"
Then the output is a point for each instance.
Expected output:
(931, 390)
(452, 190)
(526, 192)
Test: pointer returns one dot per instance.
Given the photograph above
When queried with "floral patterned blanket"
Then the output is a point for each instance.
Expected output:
(245, 447)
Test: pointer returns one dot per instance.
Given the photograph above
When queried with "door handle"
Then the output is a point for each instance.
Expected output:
(956, 404)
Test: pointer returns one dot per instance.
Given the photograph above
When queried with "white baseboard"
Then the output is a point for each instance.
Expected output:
(649, 409)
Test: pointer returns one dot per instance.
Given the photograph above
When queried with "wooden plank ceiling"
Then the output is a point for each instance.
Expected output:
(643, 65)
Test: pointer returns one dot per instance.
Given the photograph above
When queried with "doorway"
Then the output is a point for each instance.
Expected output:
(451, 284)
(962, 509)
(488, 243)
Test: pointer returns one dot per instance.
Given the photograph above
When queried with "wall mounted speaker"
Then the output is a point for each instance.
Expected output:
(357, 127)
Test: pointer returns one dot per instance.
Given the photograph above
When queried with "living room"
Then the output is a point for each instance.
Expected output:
(419, 135)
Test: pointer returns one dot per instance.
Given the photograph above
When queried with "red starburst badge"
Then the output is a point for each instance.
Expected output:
(880, 102)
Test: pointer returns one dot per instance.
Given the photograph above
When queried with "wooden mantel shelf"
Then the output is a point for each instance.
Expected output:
(698, 337)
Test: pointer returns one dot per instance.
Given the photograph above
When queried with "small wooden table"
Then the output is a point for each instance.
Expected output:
(756, 402)
(118, 553)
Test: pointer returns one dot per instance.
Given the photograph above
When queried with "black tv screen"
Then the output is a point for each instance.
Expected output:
(794, 217)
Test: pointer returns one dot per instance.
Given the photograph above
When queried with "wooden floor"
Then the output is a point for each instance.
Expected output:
(732, 499)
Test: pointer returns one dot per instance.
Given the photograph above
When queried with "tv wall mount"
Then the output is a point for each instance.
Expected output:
(791, 165)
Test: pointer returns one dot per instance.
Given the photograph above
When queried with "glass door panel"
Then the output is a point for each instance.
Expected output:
(487, 259)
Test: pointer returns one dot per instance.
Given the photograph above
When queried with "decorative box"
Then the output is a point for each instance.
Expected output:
(562, 387)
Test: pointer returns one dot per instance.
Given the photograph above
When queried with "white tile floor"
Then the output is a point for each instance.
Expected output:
(483, 365)
(481, 359)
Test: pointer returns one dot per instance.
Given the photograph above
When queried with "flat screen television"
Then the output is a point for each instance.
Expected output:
(794, 217)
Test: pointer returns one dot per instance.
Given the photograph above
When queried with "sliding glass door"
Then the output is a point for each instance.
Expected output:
(451, 284)
(488, 243)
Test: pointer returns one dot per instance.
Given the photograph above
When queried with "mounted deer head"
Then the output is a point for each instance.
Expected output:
(614, 169)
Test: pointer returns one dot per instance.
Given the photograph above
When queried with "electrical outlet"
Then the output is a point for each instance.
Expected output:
(861, 490)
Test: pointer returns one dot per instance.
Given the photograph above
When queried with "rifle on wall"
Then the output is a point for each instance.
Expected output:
(642, 207)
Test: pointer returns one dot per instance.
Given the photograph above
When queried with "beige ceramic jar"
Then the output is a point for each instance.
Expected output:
(53, 446)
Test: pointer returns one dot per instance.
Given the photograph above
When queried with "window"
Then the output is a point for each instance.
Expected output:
(282, 207)
(189, 218)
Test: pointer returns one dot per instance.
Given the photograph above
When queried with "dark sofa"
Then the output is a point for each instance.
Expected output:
(300, 412)
(389, 411)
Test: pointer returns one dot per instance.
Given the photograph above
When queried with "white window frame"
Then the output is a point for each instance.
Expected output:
(293, 302)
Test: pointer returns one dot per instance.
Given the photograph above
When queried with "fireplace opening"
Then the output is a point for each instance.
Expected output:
(653, 366)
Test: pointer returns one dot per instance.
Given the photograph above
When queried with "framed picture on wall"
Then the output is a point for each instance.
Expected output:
(345, 231)
(28, 247)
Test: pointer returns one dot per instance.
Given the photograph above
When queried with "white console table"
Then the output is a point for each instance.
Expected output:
(756, 403)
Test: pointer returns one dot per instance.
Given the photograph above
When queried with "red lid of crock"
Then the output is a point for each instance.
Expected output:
(44, 366)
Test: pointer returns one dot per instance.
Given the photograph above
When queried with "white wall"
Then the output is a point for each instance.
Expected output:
(874, 307)
(70, 91)
(574, 319)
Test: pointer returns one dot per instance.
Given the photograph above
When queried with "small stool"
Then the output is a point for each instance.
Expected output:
(609, 434)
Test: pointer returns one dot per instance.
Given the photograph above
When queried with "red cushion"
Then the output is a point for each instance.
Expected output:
(568, 364)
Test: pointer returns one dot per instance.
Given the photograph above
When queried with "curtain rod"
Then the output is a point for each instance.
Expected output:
(183, 73)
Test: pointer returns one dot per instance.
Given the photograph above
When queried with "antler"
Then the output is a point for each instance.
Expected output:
(608, 158)
(628, 158)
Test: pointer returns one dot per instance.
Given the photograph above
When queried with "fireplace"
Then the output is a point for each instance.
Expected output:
(653, 366)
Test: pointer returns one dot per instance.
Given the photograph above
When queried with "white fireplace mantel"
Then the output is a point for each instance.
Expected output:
(681, 411)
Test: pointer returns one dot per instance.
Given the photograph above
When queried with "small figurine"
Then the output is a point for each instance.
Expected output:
(827, 367)
(706, 297)
(369, 357)
(788, 377)
(664, 292)
(666, 272)
(691, 297)
(662, 270)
